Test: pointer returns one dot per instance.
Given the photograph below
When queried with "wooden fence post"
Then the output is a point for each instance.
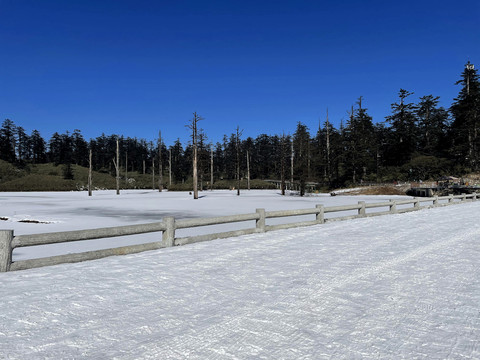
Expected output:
(474, 197)
(450, 199)
(321, 214)
(393, 207)
(362, 211)
(435, 201)
(416, 204)
(168, 236)
(6, 237)
(260, 222)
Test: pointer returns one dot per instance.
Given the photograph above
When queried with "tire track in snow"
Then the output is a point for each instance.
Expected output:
(210, 335)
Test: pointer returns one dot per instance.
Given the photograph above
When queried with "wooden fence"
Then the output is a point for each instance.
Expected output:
(9, 242)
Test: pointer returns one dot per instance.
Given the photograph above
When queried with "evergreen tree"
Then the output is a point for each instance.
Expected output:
(79, 148)
(8, 141)
(359, 144)
(37, 148)
(55, 148)
(301, 140)
(178, 162)
(23, 145)
(403, 124)
(433, 125)
(465, 111)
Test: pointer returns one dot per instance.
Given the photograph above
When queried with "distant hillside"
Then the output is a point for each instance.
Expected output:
(48, 177)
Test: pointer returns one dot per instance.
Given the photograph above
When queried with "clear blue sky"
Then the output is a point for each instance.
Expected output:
(133, 67)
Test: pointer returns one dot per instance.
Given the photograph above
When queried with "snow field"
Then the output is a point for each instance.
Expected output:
(65, 211)
(390, 287)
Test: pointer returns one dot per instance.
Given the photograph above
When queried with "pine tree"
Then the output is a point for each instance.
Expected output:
(403, 124)
(359, 144)
(23, 145)
(466, 119)
(301, 140)
(8, 141)
(433, 125)
(79, 148)
(37, 147)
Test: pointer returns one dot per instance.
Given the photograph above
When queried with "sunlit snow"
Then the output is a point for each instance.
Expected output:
(390, 287)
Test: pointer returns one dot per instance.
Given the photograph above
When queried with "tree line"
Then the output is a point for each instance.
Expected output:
(418, 140)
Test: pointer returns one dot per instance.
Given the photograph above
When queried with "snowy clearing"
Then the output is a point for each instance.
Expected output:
(31, 213)
(390, 287)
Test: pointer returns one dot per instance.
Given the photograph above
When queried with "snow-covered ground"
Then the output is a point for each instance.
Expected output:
(64, 211)
(392, 287)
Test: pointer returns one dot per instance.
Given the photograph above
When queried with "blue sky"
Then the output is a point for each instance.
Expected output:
(134, 67)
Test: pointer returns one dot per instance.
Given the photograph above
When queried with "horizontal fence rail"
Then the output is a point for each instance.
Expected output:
(8, 242)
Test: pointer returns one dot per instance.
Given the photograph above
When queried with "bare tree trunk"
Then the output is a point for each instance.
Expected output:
(282, 165)
(160, 164)
(248, 171)
(126, 168)
(169, 168)
(195, 172)
(239, 133)
(90, 173)
(117, 168)
(309, 162)
(328, 152)
(211, 168)
(143, 167)
(193, 127)
(291, 167)
(153, 173)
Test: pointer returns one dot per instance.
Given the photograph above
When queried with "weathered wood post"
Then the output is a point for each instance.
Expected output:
(474, 197)
(168, 236)
(464, 198)
(450, 199)
(361, 211)
(435, 201)
(416, 204)
(320, 217)
(260, 222)
(6, 237)
(393, 207)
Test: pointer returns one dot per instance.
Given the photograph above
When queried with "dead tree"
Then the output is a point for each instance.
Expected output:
(291, 166)
(282, 164)
(117, 167)
(90, 173)
(328, 151)
(211, 167)
(126, 168)
(248, 171)
(193, 126)
(153, 173)
(237, 145)
(169, 168)
(160, 163)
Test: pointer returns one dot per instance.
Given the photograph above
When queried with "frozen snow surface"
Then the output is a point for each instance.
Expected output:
(391, 287)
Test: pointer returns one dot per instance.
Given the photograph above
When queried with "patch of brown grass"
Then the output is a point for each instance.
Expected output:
(382, 190)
